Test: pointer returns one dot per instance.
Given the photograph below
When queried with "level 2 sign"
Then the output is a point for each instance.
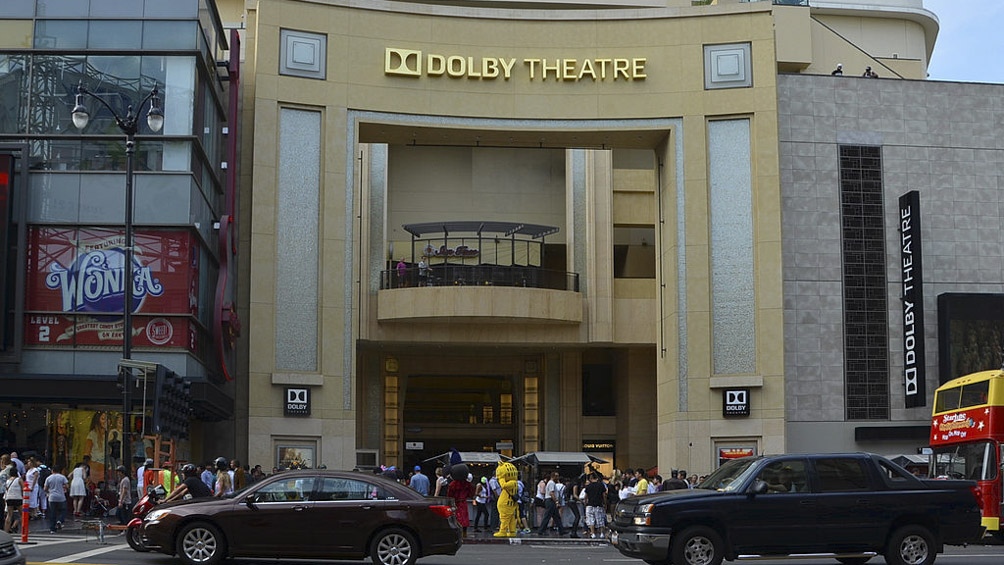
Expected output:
(297, 401)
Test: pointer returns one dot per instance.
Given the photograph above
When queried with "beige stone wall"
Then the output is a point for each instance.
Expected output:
(623, 315)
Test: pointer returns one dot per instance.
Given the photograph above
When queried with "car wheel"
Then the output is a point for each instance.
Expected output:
(910, 545)
(394, 547)
(854, 560)
(698, 545)
(200, 543)
(135, 538)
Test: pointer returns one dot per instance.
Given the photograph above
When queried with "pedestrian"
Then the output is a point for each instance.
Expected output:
(402, 270)
(207, 476)
(596, 502)
(423, 272)
(125, 495)
(551, 513)
(494, 491)
(141, 477)
(191, 487)
(440, 483)
(869, 73)
(13, 495)
(31, 479)
(571, 498)
(419, 482)
(839, 71)
(481, 504)
(224, 484)
(78, 489)
(56, 486)
(460, 490)
(641, 486)
(238, 475)
(257, 473)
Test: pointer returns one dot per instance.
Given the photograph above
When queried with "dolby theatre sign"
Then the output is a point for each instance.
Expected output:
(412, 63)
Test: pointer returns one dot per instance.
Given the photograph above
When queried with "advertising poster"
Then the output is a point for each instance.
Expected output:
(75, 288)
(79, 433)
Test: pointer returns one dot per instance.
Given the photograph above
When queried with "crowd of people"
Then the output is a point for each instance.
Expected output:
(57, 495)
(584, 503)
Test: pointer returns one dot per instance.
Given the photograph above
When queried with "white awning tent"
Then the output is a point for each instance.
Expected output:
(558, 458)
(478, 457)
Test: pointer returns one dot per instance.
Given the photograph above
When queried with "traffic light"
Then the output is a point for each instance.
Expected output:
(171, 404)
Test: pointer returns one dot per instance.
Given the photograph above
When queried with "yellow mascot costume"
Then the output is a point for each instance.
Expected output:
(507, 504)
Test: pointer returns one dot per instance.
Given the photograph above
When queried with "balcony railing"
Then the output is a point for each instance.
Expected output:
(479, 275)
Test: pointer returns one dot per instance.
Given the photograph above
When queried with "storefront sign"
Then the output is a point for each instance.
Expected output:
(598, 445)
(911, 268)
(297, 402)
(413, 63)
(735, 402)
(76, 283)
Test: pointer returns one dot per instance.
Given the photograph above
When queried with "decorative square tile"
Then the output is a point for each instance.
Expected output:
(728, 66)
(303, 54)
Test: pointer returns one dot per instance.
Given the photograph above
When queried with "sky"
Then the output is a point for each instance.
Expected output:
(970, 41)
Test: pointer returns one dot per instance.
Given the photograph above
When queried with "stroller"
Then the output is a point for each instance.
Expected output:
(102, 504)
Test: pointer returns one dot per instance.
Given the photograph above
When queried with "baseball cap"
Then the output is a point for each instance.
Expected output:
(418, 467)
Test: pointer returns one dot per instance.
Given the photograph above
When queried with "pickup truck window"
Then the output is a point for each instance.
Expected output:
(783, 477)
(728, 476)
(894, 474)
(841, 474)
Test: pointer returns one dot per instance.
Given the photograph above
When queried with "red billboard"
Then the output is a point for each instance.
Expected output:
(75, 288)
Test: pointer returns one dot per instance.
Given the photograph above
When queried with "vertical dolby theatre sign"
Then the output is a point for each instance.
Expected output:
(911, 269)
(297, 401)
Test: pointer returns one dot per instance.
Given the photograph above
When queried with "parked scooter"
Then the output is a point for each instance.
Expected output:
(134, 530)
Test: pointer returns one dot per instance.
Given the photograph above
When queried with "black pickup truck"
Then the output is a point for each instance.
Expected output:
(844, 506)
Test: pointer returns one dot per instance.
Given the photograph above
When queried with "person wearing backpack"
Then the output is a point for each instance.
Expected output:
(13, 497)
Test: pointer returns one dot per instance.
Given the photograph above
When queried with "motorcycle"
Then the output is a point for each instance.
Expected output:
(134, 530)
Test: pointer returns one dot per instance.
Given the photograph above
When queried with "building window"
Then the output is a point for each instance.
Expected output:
(634, 253)
(866, 334)
(598, 394)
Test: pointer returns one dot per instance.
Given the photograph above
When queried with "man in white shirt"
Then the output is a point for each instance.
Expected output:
(140, 483)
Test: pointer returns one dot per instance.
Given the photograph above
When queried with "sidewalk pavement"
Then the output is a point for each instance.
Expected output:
(531, 537)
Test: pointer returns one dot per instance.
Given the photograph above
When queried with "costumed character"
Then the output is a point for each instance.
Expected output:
(460, 490)
(507, 503)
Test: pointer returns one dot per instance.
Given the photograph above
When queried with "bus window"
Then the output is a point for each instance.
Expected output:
(948, 399)
(955, 398)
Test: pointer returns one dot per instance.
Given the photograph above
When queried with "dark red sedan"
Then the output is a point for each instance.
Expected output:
(312, 514)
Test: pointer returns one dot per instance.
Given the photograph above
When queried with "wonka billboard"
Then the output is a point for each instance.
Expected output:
(75, 288)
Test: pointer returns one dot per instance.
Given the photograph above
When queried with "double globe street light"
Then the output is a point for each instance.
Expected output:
(129, 126)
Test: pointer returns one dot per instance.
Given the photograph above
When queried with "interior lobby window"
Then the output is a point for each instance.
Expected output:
(634, 252)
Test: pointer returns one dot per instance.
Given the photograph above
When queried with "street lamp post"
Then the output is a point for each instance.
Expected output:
(129, 126)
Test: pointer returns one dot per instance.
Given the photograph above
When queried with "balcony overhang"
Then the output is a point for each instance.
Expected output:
(480, 304)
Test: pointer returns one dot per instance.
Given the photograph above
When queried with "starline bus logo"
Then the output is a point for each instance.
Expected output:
(950, 422)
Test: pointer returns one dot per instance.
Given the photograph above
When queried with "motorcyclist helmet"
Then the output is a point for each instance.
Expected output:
(221, 463)
(148, 462)
(189, 470)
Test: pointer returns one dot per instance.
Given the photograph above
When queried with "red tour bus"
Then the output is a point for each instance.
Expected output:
(967, 438)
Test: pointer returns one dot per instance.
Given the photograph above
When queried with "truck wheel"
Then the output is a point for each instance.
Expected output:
(910, 545)
(698, 545)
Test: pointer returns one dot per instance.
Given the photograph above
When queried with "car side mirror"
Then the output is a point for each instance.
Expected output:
(250, 500)
(759, 487)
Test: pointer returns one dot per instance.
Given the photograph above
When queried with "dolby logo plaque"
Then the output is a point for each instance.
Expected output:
(735, 402)
(297, 402)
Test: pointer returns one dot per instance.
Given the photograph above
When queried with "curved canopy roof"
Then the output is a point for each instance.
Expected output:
(480, 228)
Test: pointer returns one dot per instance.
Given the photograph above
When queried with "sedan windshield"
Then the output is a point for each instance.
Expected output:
(728, 477)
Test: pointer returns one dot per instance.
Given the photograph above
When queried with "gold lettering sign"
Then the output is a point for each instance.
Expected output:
(412, 63)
